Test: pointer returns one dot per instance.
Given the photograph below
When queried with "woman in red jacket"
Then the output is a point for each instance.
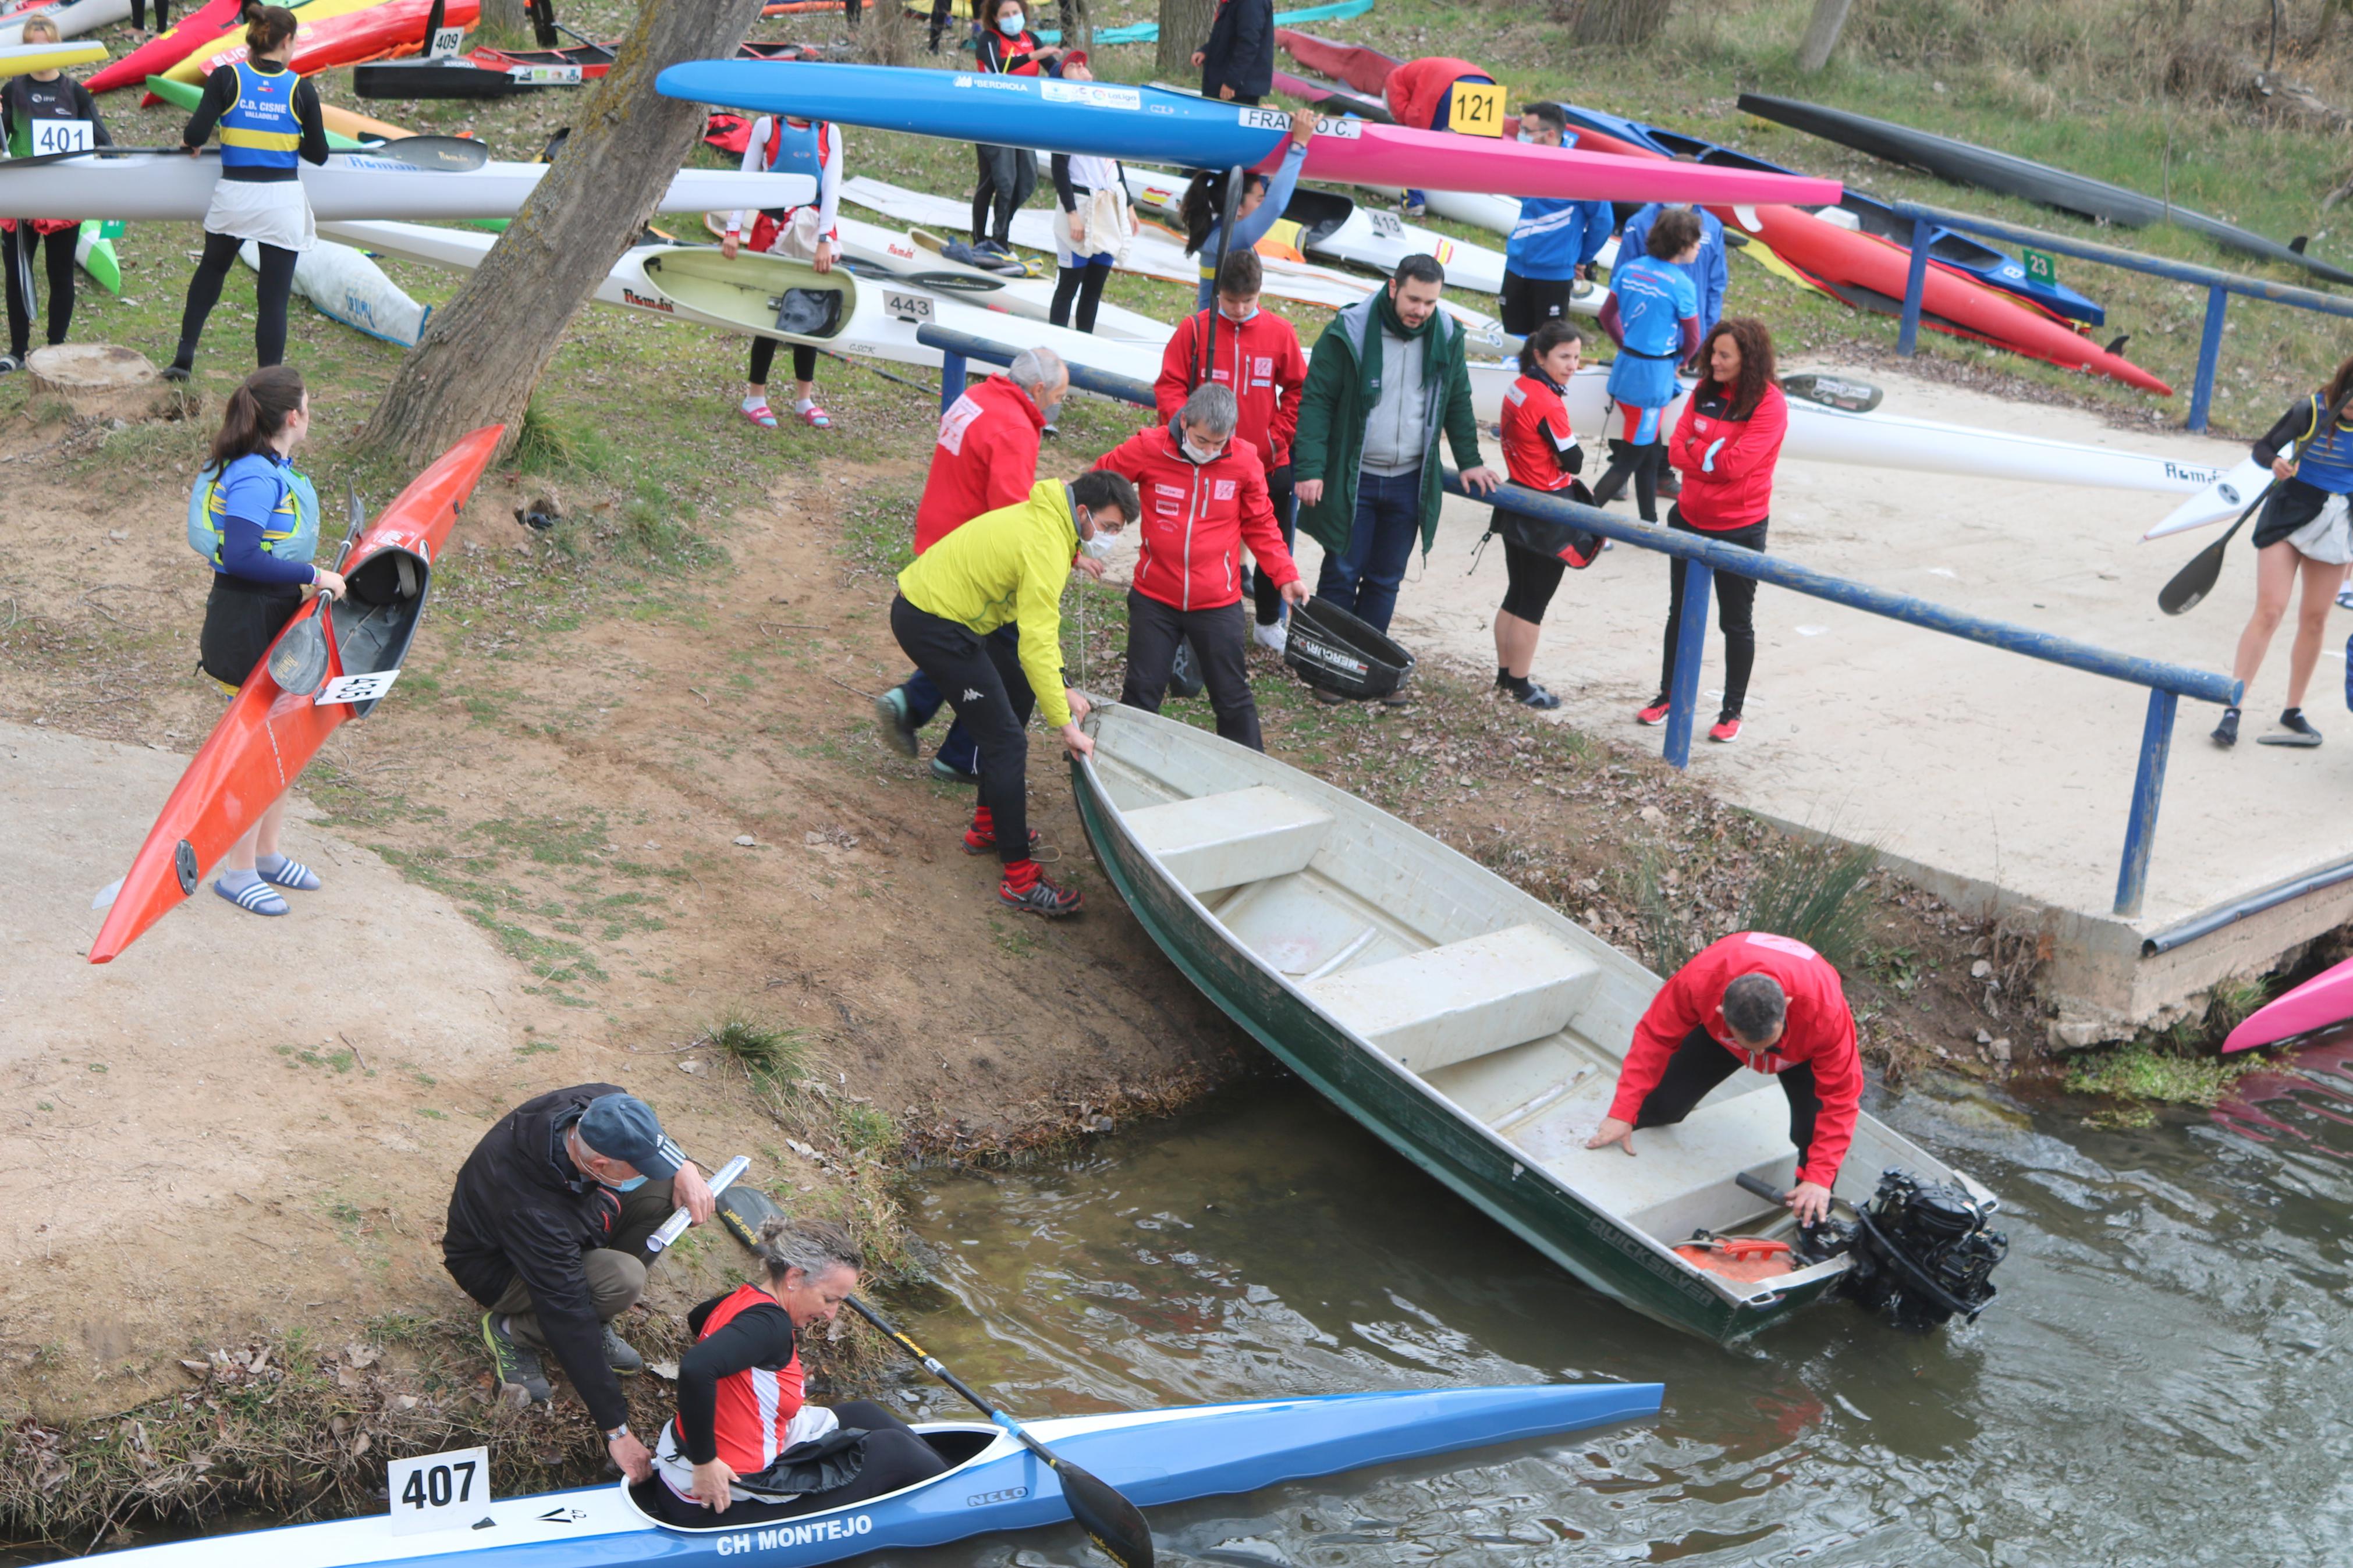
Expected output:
(1541, 453)
(1725, 447)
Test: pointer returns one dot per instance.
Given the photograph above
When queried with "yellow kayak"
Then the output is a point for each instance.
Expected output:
(206, 57)
(18, 58)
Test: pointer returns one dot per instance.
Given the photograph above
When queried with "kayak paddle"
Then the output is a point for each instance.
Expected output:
(2195, 581)
(1116, 1525)
(433, 154)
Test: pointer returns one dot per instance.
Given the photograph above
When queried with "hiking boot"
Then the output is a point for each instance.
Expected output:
(1726, 730)
(620, 1355)
(898, 725)
(518, 1370)
(2226, 733)
(1655, 711)
(1041, 898)
(948, 772)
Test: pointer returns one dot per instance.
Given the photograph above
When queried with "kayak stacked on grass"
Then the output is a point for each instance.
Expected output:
(20, 58)
(324, 40)
(499, 73)
(346, 286)
(213, 20)
(72, 20)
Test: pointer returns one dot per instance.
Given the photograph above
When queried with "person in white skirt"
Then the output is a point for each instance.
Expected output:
(810, 234)
(1092, 222)
(269, 126)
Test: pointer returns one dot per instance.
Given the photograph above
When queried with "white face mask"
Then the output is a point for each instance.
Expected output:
(1010, 25)
(1101, 546)
(1201, 454)
(1525, 137)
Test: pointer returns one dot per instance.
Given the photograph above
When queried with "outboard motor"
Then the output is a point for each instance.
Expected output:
(1922, 1253)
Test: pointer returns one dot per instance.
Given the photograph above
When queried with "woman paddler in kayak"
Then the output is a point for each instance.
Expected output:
(2304, 534)
(43, 111)
(269, 126)
(1540, 452)
(255, 520)
(1263, 205)
(746, 1448)
(1653, 315)
(812, 147)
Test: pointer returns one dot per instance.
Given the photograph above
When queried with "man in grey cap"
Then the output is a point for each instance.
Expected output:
(547, 1230)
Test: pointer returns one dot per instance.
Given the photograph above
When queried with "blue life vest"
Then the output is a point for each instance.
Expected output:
(798, 149)
(2324, 461)
(290, 531)
(1653, 299)
(261, 130)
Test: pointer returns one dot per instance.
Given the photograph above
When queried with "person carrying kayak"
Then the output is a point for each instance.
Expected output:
(746, 1446)
(547, 1228)
(1204, 494)
(1438, 92)
(1007, 174)
(1010, 567)
(1726, 447)
(255, 518)
(1257, 354)
(2304, 534)
(1092, 222)
(43, 111)
(1653, 315)
(986, 458)
(807, 234)
(1760, 1001)
(1262, 204)
(269, 126)
(1552, 243)
(1541, 453)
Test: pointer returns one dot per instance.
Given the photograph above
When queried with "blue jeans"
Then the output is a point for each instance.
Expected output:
(1363, 578)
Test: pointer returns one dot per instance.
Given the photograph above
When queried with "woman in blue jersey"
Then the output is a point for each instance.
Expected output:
(255, 518)
(1263, 200)
(1653, 315)
(2303, 535)
(269, 126)
(812, 147)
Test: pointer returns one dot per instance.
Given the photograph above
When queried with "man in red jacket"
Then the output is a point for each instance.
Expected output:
(986, 458)
(1257, 354)
(1423, 94)
(1755, 1000)
(1203, 495)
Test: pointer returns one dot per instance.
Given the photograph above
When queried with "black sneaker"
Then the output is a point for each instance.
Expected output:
(2226, 733)
(1536, 696)
(9, 363)
(2300, 732)
(519, 1370)
(898, 725)
(1042, 899)
(620, 1355)
(948, 772)
(177, 372)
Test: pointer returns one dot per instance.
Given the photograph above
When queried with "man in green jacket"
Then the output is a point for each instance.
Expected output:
(1385, 378)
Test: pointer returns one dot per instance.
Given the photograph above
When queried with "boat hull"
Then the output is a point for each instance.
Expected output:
(73, 20)
(159, 54)
(2324, 999)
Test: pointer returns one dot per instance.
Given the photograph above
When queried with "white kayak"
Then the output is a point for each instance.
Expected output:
(1496, 214)
(347, 286)
(1878, 439)
(2232, 491)
(73, 20)
(774, 297)
(171, 188)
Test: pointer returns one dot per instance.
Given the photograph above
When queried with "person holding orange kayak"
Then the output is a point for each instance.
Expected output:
(255, 518)
(43, 111)
(1421, 94)
(812, 147)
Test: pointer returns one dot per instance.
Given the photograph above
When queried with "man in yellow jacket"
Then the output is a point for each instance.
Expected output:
(1010, 567)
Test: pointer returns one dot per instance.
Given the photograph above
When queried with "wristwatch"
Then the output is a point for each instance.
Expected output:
(617, 1433)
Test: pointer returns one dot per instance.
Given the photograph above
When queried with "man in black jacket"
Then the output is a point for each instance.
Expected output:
(1238, 62)
(547, 1230)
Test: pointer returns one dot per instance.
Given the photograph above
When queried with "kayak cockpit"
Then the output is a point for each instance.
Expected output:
(379, 614)
(959, 1445)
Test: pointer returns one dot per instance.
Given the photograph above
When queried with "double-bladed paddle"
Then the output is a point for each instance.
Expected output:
(1115, 1523)
(433, 154)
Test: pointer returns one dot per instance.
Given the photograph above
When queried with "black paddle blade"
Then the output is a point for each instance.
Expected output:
(2195, 581)
(1114, 1523)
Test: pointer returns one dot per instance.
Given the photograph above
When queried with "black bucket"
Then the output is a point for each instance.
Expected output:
(1334, 651)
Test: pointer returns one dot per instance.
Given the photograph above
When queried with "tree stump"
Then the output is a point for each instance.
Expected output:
(103, 381)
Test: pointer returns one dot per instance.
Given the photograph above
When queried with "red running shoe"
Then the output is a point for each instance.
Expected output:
(1655, 711)
(1724, 731)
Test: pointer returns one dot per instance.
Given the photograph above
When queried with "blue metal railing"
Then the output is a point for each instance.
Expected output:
(2219, 285)
(1703, 557)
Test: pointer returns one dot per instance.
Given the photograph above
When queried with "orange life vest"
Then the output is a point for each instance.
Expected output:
(755, 1406)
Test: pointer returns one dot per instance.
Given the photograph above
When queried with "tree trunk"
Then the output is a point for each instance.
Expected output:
(1079, 25)
(504, 25)
(1616, 24)
(1184, 27)
(1822, 34)
(882, 34)
(103, 381)
(486, 350)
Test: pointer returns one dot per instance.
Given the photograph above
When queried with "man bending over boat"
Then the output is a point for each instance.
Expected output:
(746, 1448)
(1755, 1000)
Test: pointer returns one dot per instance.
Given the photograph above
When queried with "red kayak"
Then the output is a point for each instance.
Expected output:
(394, 28)
(269, 734)
(2324, 999)
(162, 52)
(1351, 65)
(497, 73)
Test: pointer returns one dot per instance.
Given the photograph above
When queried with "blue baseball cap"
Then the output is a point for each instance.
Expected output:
(623, 1127)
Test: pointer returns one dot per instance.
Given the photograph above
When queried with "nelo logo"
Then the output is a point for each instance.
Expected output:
(1008, 1494)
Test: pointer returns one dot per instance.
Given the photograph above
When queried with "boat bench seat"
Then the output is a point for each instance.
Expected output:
(1215, 841)
(1466, 999)
(1681, 1177)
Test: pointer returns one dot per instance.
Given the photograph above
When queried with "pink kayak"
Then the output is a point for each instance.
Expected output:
(2327, 998)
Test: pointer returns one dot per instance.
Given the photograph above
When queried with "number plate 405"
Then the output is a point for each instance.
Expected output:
(439, 1491)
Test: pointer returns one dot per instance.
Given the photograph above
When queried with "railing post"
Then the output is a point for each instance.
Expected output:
(2148, 790)
(1691, 645)
(1916, 285)
(2209, 354)
(952, 377)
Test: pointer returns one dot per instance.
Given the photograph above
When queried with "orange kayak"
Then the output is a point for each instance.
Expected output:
(270, 734)
(215, 20)
(371, 31)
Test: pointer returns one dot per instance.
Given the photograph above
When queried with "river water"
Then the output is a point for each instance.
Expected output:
(2167, 1377)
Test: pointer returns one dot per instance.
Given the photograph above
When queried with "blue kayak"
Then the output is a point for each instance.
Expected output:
(994, 1484)
(1991, 266)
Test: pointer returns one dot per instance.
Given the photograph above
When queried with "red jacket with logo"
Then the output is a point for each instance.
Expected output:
(1727, 464)
(1259, 360)
(1197, 517)
(1535, 424)
(1417, 87)
(986, 458)
(1819, 1030)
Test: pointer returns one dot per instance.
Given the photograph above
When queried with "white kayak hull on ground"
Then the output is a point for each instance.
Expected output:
(347, 286)
(73, 20)
(1496, 214)
(2231, 493)
(1879, 439)
(170, 188)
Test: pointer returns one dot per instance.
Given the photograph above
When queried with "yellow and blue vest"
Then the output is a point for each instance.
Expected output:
(291, 531)
(261, 131)
(2324, 461)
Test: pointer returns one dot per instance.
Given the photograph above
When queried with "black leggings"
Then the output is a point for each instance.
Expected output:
(1700, 1064)
(1084, 283)
(1266, 599)
(1530, 578)
(984, 682)
(1641, 464)
(1007, 176)
(1735, 598)
(138, 13)
(763, 358)
(17, 247)
(277, 282)
(895, 1457)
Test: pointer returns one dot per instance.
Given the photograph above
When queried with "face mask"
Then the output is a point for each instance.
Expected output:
(1201, 454)
(1241, 320)
(631, 1185)
(1525, 137)
(1010, 25)
(1101, 546)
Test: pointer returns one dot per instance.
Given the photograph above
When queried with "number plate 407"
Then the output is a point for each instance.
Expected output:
(439, 1491)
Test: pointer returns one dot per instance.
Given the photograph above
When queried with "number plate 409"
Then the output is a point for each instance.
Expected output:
(439, 1491)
